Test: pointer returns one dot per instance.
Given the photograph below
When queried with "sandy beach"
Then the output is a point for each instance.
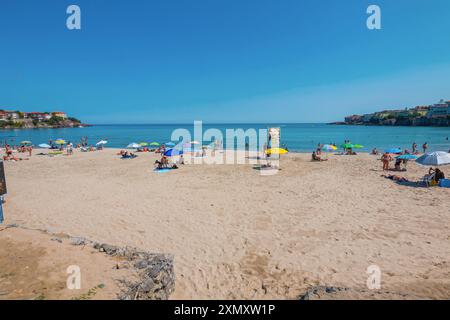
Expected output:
(236, 234)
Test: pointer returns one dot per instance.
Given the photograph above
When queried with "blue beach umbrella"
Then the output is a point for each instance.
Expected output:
(394, 150)
(407, 157)
(170, 144)
(173, 152)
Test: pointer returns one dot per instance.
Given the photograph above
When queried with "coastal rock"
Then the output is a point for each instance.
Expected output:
(315, 293)
(156, 278)
(339, 293)
(78, 241)
(110, 250)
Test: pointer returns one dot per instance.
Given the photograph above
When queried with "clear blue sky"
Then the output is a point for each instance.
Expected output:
(147, 61)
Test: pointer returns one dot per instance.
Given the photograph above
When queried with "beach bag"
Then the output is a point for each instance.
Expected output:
(444, 183)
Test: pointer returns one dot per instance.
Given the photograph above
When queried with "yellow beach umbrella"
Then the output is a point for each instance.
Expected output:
(60, 141)
(276, 151)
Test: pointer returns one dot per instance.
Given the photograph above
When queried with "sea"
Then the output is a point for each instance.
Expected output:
(302, 137)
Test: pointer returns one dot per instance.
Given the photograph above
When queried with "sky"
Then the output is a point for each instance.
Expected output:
(148, 61)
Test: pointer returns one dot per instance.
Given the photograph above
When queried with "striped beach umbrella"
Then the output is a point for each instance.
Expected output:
(173, 152)
(329, 147)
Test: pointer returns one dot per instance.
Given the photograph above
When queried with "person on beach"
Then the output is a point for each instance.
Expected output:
(385, 159)
(414, 148)
(395, 178)
(375, 151)
(316, 157)
(69, 148)
(425, 147)
(8, 150)
(30, 151)
(437, 175)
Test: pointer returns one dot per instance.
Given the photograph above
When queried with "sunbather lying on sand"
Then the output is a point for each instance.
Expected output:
(12, 158)
(127, 155)
(395, 178)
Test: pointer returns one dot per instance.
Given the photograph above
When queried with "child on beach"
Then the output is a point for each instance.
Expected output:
(386, 158)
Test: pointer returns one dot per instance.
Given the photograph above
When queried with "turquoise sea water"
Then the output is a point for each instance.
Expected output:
(297, 137)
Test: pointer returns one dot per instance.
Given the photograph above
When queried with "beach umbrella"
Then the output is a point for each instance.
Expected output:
(358, 146)
(25, 142)
(60, 141)
(347, 146)
(276, 151)
(143, 144)
(394, 150)
(102, 142)
(133, 145)
(154, 144)
(44, 146)
(170, 144)
(329, 147)
(438, 158)
(407, 157)
(173, 152)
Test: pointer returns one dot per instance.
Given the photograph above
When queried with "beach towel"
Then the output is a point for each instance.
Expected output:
(162, 170)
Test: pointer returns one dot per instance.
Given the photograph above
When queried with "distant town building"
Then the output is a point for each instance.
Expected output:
(439, 110)
(40, 116)
(60, 114)
(12, 115)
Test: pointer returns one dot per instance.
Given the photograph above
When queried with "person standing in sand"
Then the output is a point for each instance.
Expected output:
(425, 147)
(386, 158)
(414, 148)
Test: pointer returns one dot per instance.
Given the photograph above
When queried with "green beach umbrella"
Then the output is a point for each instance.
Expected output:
(143, 144)
(358, 146)
(155, 144)
(347, 146)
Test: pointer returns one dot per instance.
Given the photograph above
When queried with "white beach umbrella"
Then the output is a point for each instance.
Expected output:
(101, 142)
(438, 158)
(44, 146)
(133, 145)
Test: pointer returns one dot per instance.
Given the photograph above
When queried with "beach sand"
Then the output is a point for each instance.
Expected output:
(236, 234)
(34, 266)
